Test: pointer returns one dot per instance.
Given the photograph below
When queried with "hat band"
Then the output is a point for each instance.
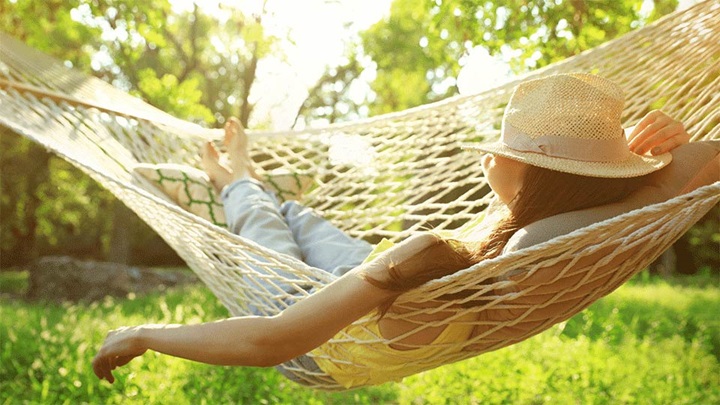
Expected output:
(587, 150)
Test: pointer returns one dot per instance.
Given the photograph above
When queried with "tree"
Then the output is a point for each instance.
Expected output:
(190, 64)
(193, 65)
(24, 166)
(418, 50)
(332, 99)
(542, 32)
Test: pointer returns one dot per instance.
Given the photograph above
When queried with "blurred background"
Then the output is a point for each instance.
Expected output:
(282, 64)
(279, 64)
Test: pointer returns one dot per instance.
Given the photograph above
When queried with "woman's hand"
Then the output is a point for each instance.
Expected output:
(657, 133)
(120, 346)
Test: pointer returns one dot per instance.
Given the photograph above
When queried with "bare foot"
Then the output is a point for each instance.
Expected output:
(219, 175)
(236, 142)
(240, 165)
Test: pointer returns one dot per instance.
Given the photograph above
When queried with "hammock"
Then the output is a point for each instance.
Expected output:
(413, 175)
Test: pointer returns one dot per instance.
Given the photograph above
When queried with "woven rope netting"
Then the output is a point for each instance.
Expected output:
(388, 177)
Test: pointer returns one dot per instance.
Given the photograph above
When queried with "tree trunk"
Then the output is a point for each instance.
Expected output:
(33, 162)
(666, 264)
(121, 235)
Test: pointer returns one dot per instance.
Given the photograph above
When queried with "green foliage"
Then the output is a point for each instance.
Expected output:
(418, 49)
(202, 68)
(23, 168)
(70, 201)
(47, 206)
(180, 99)
(648, 342)
(414, 58)
(332, 99)
(205, 64)
(542, 32)
(49, 27)
(704, 240)
(195, 66)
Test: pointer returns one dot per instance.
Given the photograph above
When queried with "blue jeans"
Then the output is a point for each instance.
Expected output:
(294, 230)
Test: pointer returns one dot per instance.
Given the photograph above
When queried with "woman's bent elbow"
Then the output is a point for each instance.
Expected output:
(273, 355)
(275, 345)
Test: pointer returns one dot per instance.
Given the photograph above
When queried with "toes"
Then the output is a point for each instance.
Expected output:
(232, 127)
(209, 152)
(235, 122)
(218, 174)
(210, 160)
(228, 133)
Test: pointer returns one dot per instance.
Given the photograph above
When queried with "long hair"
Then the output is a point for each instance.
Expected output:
(543, 193)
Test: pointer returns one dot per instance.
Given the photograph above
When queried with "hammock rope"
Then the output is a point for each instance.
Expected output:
(407, 172)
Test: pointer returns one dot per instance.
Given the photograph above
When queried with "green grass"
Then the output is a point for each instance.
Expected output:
(649, 342)
(14, 282)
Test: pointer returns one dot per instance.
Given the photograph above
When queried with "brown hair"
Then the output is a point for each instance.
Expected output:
(544, 193)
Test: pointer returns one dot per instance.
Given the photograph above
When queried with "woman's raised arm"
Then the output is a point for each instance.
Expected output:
(262, 341)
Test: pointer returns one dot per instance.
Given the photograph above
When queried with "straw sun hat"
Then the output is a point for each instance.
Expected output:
(570, 123)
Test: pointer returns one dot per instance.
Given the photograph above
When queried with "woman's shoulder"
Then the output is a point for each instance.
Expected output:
(694, 165)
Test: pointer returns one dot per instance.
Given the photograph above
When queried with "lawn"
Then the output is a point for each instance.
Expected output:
(650, 342)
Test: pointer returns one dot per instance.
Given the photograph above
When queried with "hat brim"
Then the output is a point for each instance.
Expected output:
(634, 166)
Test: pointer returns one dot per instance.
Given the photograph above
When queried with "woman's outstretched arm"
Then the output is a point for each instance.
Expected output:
(262, 341)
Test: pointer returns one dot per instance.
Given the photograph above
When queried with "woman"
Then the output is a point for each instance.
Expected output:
(562, 149)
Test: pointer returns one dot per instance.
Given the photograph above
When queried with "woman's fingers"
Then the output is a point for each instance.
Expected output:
(117, 350)
(654, 135)
(647, 129)
(97, 368)
(657, 133)
(108, 371)
(663, 139)
(102, 368)
(648, 119)
(671, 142)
